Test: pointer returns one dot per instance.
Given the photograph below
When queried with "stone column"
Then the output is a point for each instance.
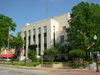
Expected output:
(31, 37)
(37, 52)
(42, 41)
(27, 42)
(23, 35)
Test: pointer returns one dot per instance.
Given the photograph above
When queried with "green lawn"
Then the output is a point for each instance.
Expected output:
(24, 64)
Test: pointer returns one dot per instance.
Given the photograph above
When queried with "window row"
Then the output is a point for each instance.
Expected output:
(34, 31)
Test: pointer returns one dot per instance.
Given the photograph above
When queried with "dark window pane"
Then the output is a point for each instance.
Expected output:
(54, 38)
(39, 43)
(34, 39)
(62, 38)
(29, 32)
(39, 29)
(34, 31)
(45, 29)
(29, 40)
(45, 41)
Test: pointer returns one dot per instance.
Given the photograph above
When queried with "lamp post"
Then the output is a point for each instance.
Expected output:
(97, 68)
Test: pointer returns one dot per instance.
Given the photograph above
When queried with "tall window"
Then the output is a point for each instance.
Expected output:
(39, 40)
(45, 29)
(34, 36)
(45, 37)
(25, 39)
(53, 28)
(29, 37)
(39, 29)
(29, 32)
(54, 35)
(62, 38)
(34, 31)
(25, 33)
(64, 27)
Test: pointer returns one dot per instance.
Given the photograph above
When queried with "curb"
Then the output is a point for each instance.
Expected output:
(31, 68)
(46, 69)
(13, 66)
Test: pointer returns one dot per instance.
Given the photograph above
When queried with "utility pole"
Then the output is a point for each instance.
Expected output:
(46, 14)
(46, 9)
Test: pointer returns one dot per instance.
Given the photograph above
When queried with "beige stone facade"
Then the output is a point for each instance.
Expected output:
(46, 33)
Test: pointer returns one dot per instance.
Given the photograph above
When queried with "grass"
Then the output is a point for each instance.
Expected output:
(29, 64)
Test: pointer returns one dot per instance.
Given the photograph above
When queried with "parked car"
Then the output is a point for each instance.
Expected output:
(5, 59)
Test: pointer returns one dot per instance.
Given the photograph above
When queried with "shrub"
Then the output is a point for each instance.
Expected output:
(32, 55)
(77, 56)
(50, 54)
(77, 53)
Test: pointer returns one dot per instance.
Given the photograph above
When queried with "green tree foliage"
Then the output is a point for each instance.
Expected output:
(50, 54)
(32, 55)
(84, 24)
(6, 23)
(17, 42)
(63, 50)
(77, 53)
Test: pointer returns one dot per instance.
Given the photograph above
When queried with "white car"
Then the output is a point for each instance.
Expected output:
(6, 59)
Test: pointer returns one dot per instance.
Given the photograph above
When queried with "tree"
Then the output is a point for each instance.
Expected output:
(77, 56)
(6, 25)
(17, 42)
(84, 24)
(77, 53)
(63, 49)
(50, 54)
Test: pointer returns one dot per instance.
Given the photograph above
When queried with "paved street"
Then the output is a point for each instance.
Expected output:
(18, 71)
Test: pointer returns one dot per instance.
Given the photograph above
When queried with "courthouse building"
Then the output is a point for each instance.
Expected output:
(44, 34)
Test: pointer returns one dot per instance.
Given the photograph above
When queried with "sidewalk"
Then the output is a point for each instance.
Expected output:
(76, 72)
